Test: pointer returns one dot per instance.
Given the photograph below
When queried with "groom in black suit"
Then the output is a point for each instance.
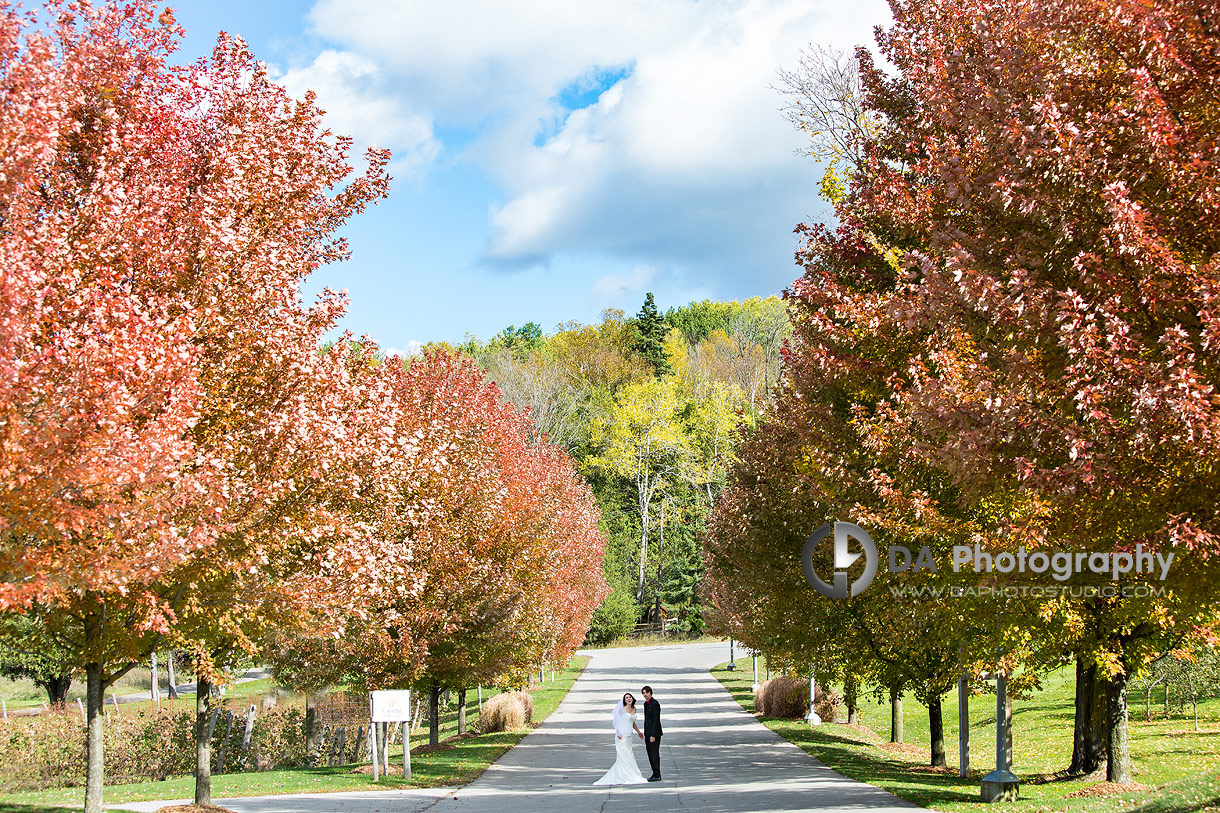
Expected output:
(652, 732)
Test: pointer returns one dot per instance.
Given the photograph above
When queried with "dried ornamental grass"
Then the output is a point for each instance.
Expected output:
(788, 698)
(506, 712)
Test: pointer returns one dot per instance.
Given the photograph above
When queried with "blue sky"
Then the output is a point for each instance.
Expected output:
(553, 158)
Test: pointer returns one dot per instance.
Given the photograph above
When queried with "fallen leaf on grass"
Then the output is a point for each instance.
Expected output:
(908, 748)
(1108, 789)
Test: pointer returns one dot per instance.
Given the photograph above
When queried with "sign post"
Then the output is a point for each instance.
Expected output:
(1001, 785)
(963, 726)
(392, 707)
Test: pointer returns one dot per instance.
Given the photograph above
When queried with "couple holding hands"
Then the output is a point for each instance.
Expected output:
(625, 771)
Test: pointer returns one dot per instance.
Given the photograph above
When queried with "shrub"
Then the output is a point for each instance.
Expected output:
(506, 712)
(614, 618)
(278, 739)
(48, 750)
(789, 698)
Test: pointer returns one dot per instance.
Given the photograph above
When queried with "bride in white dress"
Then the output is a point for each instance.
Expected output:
(625, 771)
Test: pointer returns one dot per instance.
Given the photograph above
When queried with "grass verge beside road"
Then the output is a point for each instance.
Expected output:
(456, 761)
(1179, 768)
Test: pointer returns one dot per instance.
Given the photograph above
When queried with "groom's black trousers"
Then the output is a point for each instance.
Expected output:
(654, 754)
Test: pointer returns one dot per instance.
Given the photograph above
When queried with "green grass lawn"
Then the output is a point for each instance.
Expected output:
(19, 695)
(1181, 767)
(455, 762)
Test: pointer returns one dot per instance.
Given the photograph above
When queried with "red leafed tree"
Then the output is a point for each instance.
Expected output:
(103, 483)
(168, 421)
(575, 546)
(100, 386)
(483, 556)
(284, 419)
(1051, 170)
(1031, 209)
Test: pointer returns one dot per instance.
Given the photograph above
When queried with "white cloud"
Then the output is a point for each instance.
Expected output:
(618, 288)
(413, 348)
(473, 58)
(685, 164)
(351, 90)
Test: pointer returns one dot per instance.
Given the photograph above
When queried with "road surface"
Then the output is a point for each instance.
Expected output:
(715, 758)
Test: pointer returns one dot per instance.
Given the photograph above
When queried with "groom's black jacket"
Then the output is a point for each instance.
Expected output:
(652, 718)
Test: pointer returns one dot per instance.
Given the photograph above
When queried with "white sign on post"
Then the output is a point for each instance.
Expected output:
(392, 706)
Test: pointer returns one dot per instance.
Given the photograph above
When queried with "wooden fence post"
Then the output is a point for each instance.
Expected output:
(224, 743)
(341, 746)
(245, 739)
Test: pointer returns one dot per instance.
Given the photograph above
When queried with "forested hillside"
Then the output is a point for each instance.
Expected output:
(650, 407)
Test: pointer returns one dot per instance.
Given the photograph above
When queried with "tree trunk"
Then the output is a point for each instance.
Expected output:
(172, 685)
(203, 740)
(461, 711)
(1118, 752)
(311, 726)
(1080, 725)
(94, 716)
(936, 726)
(434, 706)
(1089, 733)
(1008, 730)
(1095, 755)
(639, 590)
(57, 689)
(851, 696)
(895, 715)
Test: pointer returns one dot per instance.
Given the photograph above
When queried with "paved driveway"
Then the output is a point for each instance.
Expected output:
(714, 756)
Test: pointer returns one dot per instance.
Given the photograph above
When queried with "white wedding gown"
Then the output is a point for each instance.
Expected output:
(625, 771)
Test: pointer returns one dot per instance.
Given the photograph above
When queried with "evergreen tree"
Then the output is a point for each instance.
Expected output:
(651, 330)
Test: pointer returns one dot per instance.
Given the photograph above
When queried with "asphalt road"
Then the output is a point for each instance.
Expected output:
(714, 756)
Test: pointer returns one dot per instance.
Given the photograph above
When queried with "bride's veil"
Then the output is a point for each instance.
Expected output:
(620, 713)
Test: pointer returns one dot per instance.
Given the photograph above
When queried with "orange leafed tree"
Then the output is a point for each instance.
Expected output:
(167, 421)
(483, 556)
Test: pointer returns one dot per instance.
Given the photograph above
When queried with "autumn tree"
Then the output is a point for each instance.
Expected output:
(557, 403)
(817, 455)
(159, 452)
(598, 357)
(482, 557)
(1049, 169)
(1033, 182)
(641, 437)
(103, 483)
